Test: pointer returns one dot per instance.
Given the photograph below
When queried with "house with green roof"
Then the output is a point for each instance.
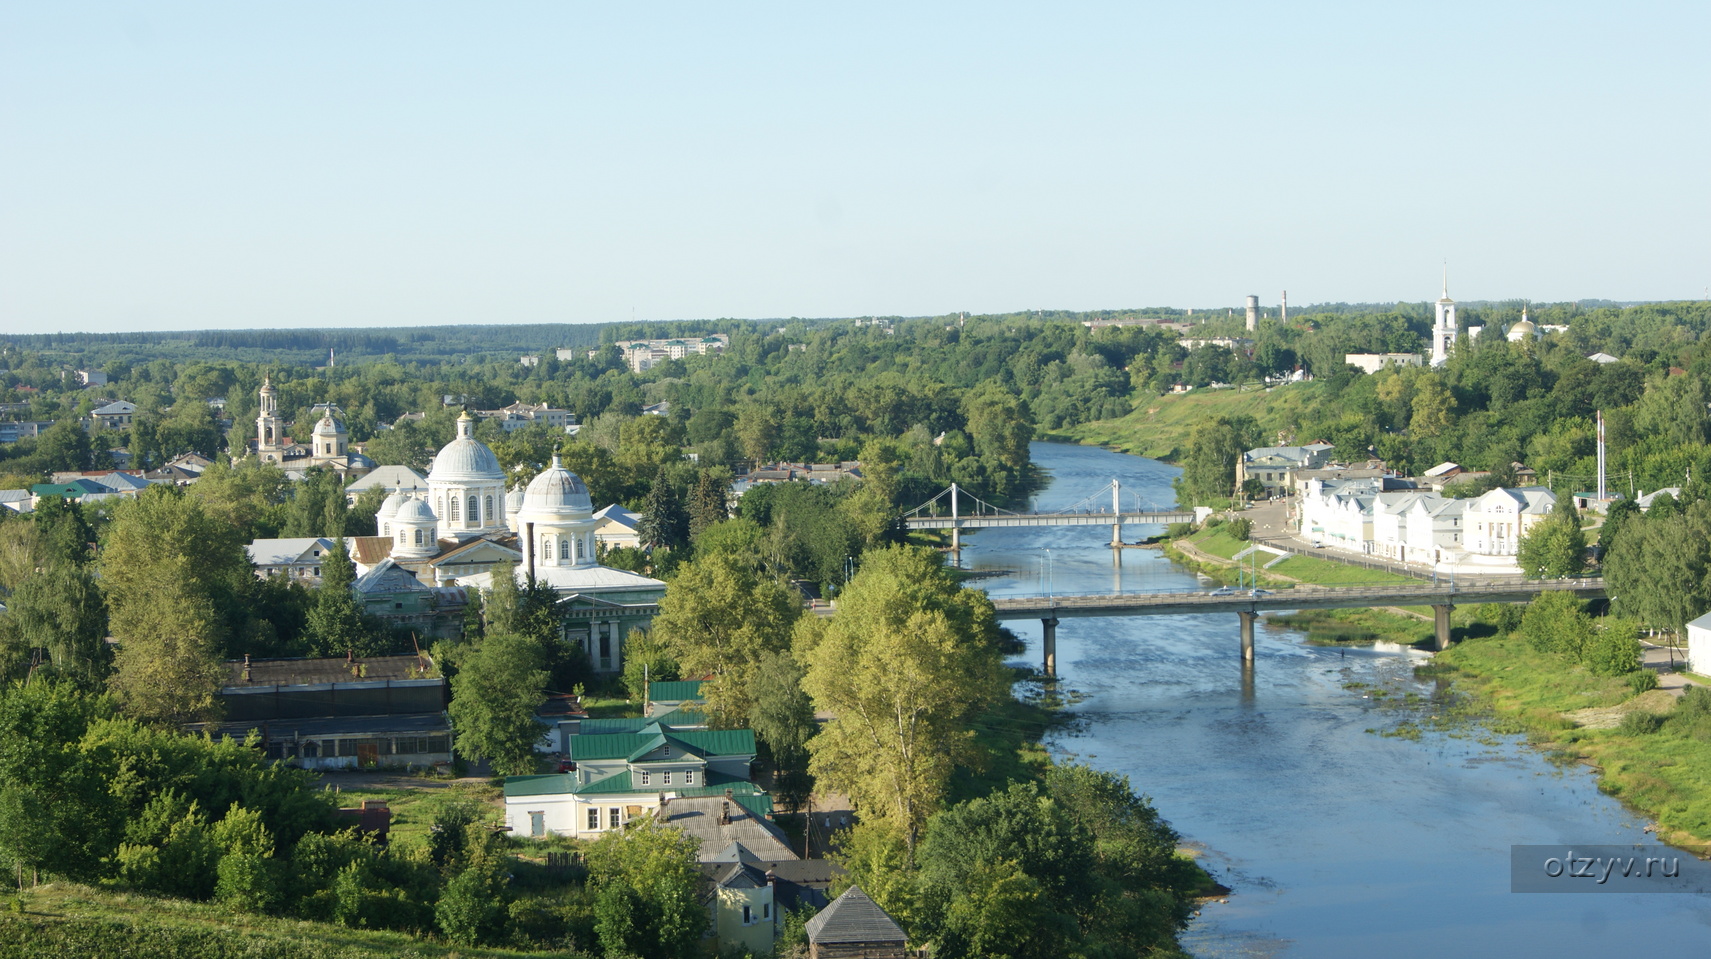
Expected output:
(620, 776)
(668, 697)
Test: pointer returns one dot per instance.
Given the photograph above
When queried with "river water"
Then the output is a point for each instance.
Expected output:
(1336, 841)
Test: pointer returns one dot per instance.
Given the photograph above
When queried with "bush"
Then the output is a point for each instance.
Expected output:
(1640, 723)
(249, 882)
(1613, 650)
(1642, 680)
(1241, 529)
(1505, 617)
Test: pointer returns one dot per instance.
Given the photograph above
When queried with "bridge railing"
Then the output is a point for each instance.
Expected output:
(1445, 585)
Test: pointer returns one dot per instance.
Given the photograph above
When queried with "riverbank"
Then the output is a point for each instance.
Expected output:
(1658, 762)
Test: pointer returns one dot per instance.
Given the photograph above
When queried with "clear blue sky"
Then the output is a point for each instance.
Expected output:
(180, 166)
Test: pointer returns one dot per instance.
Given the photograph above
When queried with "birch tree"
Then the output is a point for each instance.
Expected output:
(908, 658)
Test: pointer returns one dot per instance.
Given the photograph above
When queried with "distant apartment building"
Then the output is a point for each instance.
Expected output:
(518, 415)
(641, 355)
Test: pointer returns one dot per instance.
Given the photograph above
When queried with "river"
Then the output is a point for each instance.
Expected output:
(1336, 841)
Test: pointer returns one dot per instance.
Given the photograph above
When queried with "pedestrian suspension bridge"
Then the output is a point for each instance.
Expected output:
(956, 510)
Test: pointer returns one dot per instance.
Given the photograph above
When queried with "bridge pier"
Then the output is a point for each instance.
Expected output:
(956, 539)
(1441, 625)
(1116, 534)
(1048, 645)
(1247, 617)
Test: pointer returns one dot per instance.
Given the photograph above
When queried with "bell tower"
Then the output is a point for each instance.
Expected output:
(1444, 327)
(269, 432)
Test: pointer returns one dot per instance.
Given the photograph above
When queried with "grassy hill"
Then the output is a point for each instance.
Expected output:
(1159, 425)
(67, 921)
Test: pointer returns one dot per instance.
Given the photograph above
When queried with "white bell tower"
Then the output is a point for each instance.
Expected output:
(1444, 327)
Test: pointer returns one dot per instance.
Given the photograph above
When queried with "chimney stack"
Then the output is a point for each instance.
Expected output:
(1253, 313)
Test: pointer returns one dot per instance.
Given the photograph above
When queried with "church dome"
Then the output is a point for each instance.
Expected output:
(415, 512)
(327, 426)
(466, 459)
(1524, 330)
(556, 494)
(390, 505)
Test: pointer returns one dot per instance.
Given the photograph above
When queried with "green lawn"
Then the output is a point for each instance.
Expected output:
(1328, 572)
(415, 808)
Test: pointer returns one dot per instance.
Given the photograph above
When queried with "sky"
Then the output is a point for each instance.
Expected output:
(169, 166)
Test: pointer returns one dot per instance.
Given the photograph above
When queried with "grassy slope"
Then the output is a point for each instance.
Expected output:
(1159, 425)
(1666, 775)
(72, 922)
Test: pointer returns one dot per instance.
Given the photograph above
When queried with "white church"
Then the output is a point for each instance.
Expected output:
(467, 521)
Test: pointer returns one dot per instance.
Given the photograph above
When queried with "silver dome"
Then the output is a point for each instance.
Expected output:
(466, 459)
(390, 505)
(415, 512)
(556, 493)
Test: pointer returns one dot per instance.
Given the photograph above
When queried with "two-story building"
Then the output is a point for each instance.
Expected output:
(1496, 521)
(623, 776)
(1275, 466)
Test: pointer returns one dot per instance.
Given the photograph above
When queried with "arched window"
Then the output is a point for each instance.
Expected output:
(418, 537)
(454, 509)
(386, 529)
(401, 540)
(488, 506)
(474, 511)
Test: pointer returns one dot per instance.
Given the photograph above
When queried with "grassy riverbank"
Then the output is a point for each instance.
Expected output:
(1659, 763)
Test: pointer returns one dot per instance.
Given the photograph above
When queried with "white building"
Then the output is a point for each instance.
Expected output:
(1699, 644)
(1495, 522)
(1373, 362)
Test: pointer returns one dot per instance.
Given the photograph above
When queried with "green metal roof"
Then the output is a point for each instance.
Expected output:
(703, 742)
(675, 691)
(617, 783)
(675, 719)
(553, 784)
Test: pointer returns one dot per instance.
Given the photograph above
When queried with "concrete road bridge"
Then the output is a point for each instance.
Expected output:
(956, 510)
(1249, 604)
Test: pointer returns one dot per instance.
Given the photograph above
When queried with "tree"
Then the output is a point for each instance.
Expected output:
(173, 576)
(1554, 547)
(59, 610)
(718, 617)
(1614, 649)
(782, 717)
(908, 658)
(708, 501)
(647, 892)
(1659, 569)
(335, 624)
(1209, 467)
(1556, 623)
(499, 685)
(664, 524)
(646, 660)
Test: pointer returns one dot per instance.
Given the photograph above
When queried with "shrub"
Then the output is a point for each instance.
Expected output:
(1642, 680)
(1613, 650)
(1505, 617)
(1241, 529)
(1641, 723)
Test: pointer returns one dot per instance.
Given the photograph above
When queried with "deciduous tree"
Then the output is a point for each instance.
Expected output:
(908, 658)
